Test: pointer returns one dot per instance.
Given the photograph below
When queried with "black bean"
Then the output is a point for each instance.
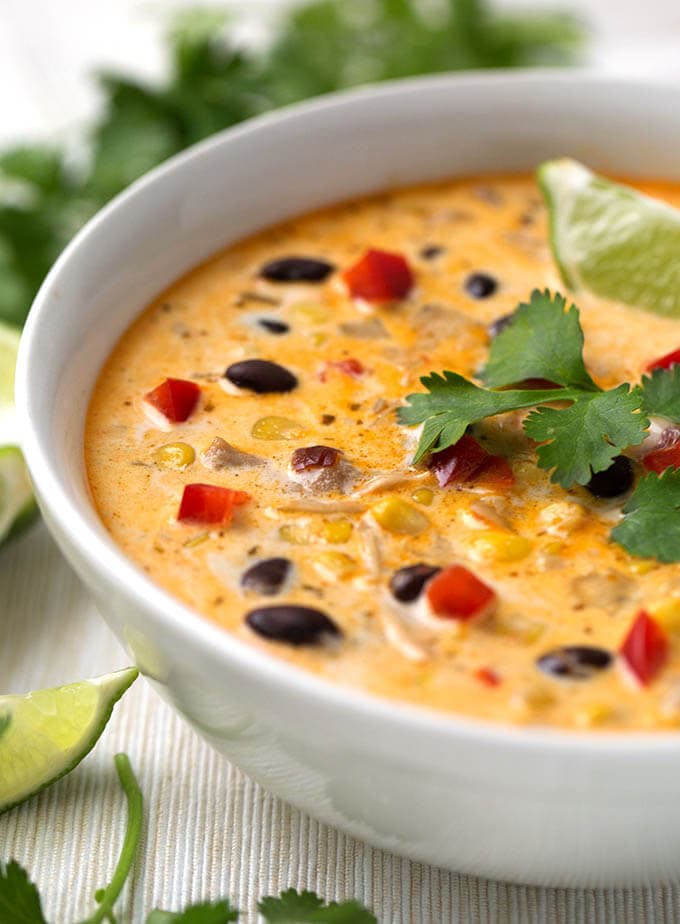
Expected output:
(273, 326)
(296, 625)
(576, 662)
(261, 376)
(615, 480)
(407, 584)
(431, 251)
(297, 269)
(267, 577)
(480, 285)
(495, 328)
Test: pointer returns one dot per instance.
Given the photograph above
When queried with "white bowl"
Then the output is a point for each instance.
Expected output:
(533, 805)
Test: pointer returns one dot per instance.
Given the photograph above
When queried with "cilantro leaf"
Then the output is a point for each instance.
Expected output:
(307, 908)
(587, 436)
(661, 393)
(651, 524)
(543, 341)
(19, 898)
(453, 403)
(5, 721)
(220, 912)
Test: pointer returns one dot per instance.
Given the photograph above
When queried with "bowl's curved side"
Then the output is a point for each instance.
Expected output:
(501, 802)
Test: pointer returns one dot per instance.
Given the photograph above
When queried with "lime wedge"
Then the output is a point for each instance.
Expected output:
(17, 505)
(46, 733)
(18, 508)
(9, 345)
(611, 240)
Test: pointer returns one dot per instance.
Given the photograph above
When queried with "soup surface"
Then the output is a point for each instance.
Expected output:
(340, 524)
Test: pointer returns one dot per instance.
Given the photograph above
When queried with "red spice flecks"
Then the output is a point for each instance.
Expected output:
(350, 366)
(645, 648)
(468, 461)
(660, 459)
(488, 676)
(313, 457)
(210, 503)
(174, 398)
(379, 276)
(664, 362)
(457, 593)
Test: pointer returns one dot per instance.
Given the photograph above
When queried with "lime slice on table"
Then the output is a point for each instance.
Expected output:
(611, 240)
(46, 733)
(17, 505)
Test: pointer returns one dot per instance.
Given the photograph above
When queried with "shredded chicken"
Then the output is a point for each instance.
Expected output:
(370, 545)
(399, 637)
(370, 329)
(608, 588)
(332, 478)
(434, 322)
(220, 455)
(389, 480)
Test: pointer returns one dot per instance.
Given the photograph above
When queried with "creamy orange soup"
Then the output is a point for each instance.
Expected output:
(343, 526)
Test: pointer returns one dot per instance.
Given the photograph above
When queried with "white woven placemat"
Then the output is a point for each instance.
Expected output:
(209, 830)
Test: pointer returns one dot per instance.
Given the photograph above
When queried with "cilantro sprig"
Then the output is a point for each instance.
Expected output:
(651, 524)
(580, 428)
(20, 901)
(46, 194)
(543, 341)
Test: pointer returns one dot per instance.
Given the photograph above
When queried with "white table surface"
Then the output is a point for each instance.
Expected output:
(209, 830)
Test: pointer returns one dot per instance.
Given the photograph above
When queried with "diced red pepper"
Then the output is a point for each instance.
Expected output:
(660, 459)
(456, 593)
(496, 474)
(349, 366)
(174, 398)
(379, 276)
(645, 648)
(488, 676)
(468, 461)
(664, 362)
(210, 503)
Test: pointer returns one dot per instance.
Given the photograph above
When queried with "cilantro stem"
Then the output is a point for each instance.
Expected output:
(135, 807)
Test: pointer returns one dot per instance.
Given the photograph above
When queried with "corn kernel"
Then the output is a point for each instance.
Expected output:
(494, 545)
(398, 516)
(423, 496)
(554, 548)
(295, 533)
(197, 540)
(336, 531)
(667, 612)
(524, 630)
(175, 456)
(318, 339)
(531, 698)
(642, 565)
(312, 312)
(332, 565)
(593, 714)
(276, 428)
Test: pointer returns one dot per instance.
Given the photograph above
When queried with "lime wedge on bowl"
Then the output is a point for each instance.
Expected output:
(17, 505)
(611, 240)
(18, 508)
(45, 734)
(9, 345)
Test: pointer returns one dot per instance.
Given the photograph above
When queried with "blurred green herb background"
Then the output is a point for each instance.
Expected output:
(47, 193)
